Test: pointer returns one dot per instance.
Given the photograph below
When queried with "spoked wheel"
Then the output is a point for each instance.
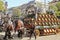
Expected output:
(37, 32)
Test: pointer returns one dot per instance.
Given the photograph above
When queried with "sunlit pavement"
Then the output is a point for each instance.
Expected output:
(49, 37)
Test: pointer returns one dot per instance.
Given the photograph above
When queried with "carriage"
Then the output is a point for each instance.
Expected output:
(45, 24)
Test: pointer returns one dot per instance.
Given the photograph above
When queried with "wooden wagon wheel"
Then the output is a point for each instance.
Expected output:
(37, 32)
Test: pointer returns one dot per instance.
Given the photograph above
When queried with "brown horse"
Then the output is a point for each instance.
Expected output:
(8, 28)
(19, 27)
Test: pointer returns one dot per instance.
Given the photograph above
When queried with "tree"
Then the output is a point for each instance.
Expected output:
(16, 12)
(56, 8)
(53, 7)
(58, 5)
(57, 13)
(1, 5)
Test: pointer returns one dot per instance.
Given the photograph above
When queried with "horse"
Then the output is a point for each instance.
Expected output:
(8, 28)
(19, 27)
(30, 28)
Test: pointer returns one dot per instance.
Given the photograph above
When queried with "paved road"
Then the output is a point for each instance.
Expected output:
(49, 37)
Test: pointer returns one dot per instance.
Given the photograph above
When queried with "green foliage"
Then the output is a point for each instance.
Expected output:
(54, 7)
(57, 13)
(58, 5)
(1, 5)
(16, 12)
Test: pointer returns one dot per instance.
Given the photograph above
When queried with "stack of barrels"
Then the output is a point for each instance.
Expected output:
(47, 20)
(43, 20)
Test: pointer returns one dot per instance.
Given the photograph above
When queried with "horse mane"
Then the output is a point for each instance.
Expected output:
(16, 23)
